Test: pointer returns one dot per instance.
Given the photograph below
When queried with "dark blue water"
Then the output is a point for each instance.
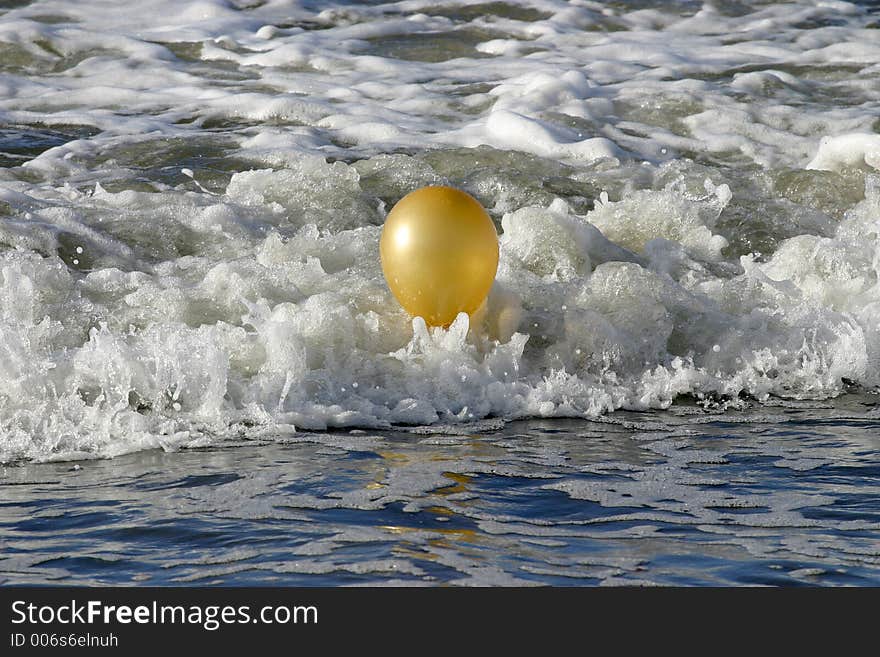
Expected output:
(776, 496)
(18, 144)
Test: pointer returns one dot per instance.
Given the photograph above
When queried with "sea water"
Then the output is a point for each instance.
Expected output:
(204, 378)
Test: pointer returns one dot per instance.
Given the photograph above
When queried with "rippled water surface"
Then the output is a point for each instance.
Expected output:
(785, 497)
(204, 377)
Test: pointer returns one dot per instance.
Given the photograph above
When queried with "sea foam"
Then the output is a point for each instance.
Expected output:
(687, 200)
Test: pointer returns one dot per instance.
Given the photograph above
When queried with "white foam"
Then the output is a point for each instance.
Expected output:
(850, 150)
(679, 195)
(506, 129)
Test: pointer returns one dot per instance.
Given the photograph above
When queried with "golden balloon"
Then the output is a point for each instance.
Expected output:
(439, 252)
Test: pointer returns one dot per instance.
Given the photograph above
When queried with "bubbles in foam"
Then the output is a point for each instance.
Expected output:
(200, 261)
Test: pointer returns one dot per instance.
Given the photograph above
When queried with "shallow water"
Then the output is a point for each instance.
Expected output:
(688, 201)
(786, 496)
